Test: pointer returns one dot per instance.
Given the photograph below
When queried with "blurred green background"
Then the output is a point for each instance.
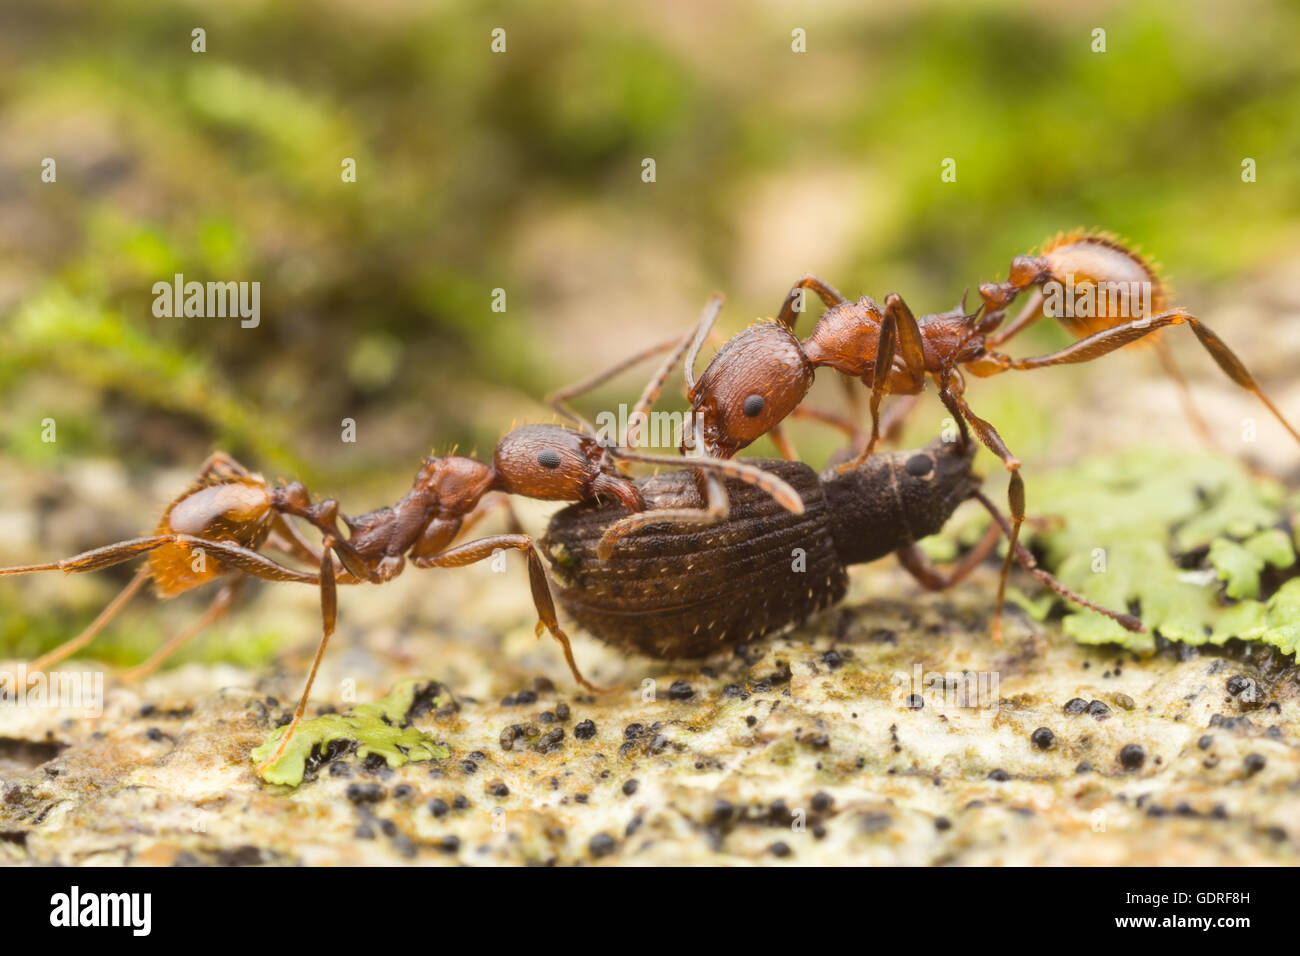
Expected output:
(522, 171)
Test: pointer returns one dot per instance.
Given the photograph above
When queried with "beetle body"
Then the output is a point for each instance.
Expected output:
(681, 592)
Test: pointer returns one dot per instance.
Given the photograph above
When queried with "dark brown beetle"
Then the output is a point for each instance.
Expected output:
(676, 592)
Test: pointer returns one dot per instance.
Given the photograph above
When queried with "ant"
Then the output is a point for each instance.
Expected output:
(762, 374)
(217, 528)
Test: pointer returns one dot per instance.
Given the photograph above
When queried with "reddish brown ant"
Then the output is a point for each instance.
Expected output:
(762, 374)
(218, 526)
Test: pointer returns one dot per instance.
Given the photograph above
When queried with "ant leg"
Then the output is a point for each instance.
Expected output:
(702, 329)
(546, 618)
(689, 346)
(68, 648)
(915, 563)
(96, 559)
(717, 508)
(1031, 313)
(784, 447)
(492, 503)
(989, 436)
(559, 400)
(245, 559)
(898, 332)
(891, 423)
(825, 291)
(1027, 561)
(291, 541)
(848, 426)
(219, 606)
(329, 607)
(1108, 340)
(765, 481)
(1185, 395)
(717, 503)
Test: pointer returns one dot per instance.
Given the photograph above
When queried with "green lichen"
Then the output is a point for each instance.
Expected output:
(379, 727)
(1184, 538)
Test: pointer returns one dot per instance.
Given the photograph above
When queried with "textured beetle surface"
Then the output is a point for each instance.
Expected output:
(674, 592)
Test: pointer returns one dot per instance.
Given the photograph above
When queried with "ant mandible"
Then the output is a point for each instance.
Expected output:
(761, 375)
(217, 528)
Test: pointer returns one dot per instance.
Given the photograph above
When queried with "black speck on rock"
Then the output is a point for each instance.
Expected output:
(942, 823)
(240, 856)
(1238, 684)
(1098, 710)
(499, 789)
(1132, 756)
(1206, 742)
(550, 742)
(360, 793)
(1254, 763)
(999, 775)
(1043, 738)
(822, 801)
(680, 690)
(450, 843)
(602, 844)
(1084, 767)
(629, 787)
(585, 730)
(438, 807)
(1075, 706)
(779, 849)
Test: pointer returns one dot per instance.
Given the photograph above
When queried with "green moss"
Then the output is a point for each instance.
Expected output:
(379, 727)
(1186, 539)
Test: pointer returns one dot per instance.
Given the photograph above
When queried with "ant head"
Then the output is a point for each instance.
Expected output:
(553, 463)
(755, 381)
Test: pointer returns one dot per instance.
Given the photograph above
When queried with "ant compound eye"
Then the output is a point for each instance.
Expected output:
(548, 458)
(918, 466)
(753, 406)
